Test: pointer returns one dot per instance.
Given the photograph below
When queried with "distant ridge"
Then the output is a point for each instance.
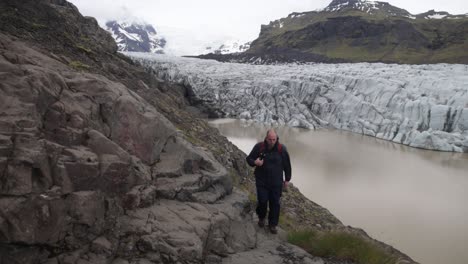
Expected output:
(228, 48)
(360, 31)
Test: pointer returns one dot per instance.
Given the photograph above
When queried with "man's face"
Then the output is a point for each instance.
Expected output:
(271, 140)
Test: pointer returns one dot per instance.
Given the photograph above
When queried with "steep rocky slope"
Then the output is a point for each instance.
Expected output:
(101, 162)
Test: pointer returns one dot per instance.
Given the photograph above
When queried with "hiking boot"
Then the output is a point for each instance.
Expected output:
(273, 230)
(261, 222)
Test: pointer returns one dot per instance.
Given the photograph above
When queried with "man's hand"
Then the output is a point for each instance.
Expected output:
(258, 162)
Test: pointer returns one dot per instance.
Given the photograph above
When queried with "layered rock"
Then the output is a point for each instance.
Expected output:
(420, 106)
(85, 161)
(102, 162)
(91, 171)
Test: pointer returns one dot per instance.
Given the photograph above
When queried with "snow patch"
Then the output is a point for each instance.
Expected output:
(297, 15)
(436, 16)
(365, 6)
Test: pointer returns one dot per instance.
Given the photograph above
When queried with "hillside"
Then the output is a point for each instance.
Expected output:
(362, 31)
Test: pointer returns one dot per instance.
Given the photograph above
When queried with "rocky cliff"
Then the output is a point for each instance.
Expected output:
(102, 162)
(360, 31)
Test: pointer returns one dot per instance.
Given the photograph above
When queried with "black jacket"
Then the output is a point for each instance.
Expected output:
(274, 163)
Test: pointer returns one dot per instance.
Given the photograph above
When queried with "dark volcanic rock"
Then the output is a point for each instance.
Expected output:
(66, 159)
(99, 160)
(270, 56)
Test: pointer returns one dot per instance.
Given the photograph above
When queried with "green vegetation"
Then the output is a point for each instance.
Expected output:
(84, 49)
(192, 139)
(235, 178)
(375, 38)
(37, 26)
(286, 222)
(79, 65)
(85, 39)
(340, 245)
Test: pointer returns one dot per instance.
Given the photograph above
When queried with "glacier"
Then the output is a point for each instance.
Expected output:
(422, 106)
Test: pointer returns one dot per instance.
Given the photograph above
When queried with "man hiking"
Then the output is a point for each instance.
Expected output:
(270, 159)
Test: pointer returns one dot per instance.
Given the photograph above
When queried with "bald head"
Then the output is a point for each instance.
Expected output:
(271, 138)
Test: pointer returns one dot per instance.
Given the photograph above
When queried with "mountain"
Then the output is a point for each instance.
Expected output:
(361, 31)
(369, 7)
(228, 48)
(136, 36)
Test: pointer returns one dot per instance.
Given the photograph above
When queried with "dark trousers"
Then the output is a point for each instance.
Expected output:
(268, 196)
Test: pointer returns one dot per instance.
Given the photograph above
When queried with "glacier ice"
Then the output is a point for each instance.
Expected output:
(423, 106)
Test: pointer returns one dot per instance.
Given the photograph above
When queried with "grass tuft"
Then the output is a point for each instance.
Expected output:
(79, 65)
(84, 49)
(340, 245)
(38, 26)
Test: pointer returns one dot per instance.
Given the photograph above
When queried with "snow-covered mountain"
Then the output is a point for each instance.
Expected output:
(432, 14)
(424, 106)
(136, 36)
(384, 8)
(228, 47)
(370, 7)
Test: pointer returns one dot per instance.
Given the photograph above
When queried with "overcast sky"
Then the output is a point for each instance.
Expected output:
(190, 24)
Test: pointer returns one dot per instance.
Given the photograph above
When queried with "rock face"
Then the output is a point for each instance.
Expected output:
(270, 250)
(420, 106)
(102, 162)
(97, 157)
(87, 166)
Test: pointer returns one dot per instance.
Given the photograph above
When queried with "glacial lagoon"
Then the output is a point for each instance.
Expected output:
(412, 199)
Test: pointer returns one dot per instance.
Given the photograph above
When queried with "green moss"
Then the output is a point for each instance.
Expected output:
(286, 222)
(84, 49)
(37, 26)
(85, 39)
(340, 245)
(252, 197)
(192, 139)
(235, 178)
(79, 65)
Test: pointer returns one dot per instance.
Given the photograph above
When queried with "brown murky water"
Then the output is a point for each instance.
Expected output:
(414, 200)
